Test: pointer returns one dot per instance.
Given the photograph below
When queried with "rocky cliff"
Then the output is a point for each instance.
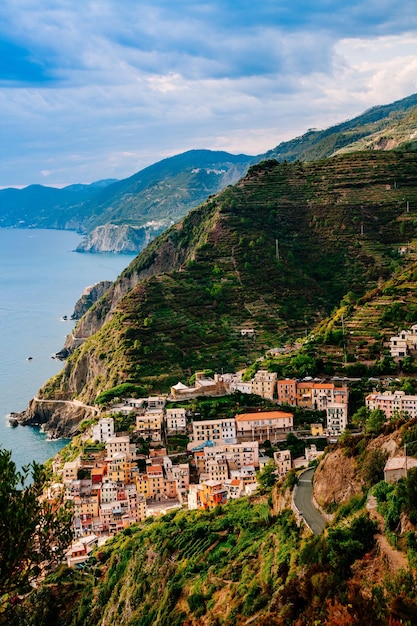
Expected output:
(59, 418)
(119, 239)
(89, 297)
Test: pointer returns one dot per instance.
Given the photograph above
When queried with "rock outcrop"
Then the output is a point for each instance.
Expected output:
(89, 297)
(119, 239)
(58, 418)
(335, 479)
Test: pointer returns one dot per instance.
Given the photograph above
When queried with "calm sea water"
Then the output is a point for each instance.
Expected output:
(41, 278)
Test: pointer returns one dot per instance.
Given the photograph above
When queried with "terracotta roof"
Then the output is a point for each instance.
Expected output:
(323, 386)
(267, 415)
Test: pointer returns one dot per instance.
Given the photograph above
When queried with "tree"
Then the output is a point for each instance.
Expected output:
(373, 466)
(34, 531)
(375, 421)
(361, 416)
(268, 476)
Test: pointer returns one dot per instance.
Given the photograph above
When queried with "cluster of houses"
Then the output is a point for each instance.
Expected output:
(404, 343)
(307, 393)
(109, 492)
(393, 404)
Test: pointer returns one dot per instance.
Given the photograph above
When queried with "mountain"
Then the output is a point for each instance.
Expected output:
(37, 206)
(380, 128)
(277, 253)
(158, 196)
(166, 190)
(148, 201)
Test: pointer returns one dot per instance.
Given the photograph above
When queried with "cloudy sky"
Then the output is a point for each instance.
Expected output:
(93, 89)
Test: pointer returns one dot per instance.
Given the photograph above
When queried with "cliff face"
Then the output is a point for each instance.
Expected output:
(89, 297)
(119, 239)
(163, 256)
(59, 418)
(340, 475)
(335, 480)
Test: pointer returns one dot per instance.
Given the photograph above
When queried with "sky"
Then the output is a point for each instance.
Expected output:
(96, 89)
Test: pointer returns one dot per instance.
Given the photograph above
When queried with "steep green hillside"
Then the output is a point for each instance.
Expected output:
(381, 127)
(354, 339)
(276, 253)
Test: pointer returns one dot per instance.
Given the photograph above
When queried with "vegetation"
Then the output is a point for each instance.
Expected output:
(204, 280)
(34, 533)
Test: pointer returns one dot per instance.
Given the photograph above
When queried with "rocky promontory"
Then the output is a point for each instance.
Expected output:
(122, 239)
(89, 297)
(58, 418)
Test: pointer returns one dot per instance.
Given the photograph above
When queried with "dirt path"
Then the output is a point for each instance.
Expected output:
(394, 559)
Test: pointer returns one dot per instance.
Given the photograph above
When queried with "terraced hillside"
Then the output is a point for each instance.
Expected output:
(360, 329)
(379, 128)
(277, 252)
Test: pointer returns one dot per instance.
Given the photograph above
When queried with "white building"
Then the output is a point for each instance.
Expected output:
(219, 431)
(404, 342)
(102, 431)
(236, 454)
(176, 421)
(336, 415)
(115, 444)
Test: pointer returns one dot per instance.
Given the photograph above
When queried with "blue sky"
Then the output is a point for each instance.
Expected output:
(93, 89)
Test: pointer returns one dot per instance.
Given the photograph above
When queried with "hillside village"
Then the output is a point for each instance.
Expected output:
(221, 460)
(112, 483)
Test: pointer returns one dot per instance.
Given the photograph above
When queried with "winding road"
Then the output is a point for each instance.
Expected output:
(303, 501)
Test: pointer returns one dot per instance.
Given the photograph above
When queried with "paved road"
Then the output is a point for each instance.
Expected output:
(303, 502)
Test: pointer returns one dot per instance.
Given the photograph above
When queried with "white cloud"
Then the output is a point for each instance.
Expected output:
(120, 85)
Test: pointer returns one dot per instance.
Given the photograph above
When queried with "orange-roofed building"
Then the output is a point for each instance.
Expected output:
(287, 392)
(212, 493)
(97, 474)
(263, 425)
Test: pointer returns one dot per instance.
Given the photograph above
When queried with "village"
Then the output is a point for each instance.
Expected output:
(112, 485)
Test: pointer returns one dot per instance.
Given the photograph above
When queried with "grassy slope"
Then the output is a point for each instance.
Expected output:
(230, 276)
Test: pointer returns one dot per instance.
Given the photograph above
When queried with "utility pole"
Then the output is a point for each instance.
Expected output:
(344, 342)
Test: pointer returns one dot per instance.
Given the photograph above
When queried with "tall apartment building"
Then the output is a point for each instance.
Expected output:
(336, 417)
(219, 431)
(103, 430)
(264, 384)
(287, 392)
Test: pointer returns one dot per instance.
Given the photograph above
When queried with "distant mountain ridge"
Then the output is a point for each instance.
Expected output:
(37, 206)
(159, 195)
(381, 127)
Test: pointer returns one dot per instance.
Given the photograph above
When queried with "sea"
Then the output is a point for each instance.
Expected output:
(41, 278)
